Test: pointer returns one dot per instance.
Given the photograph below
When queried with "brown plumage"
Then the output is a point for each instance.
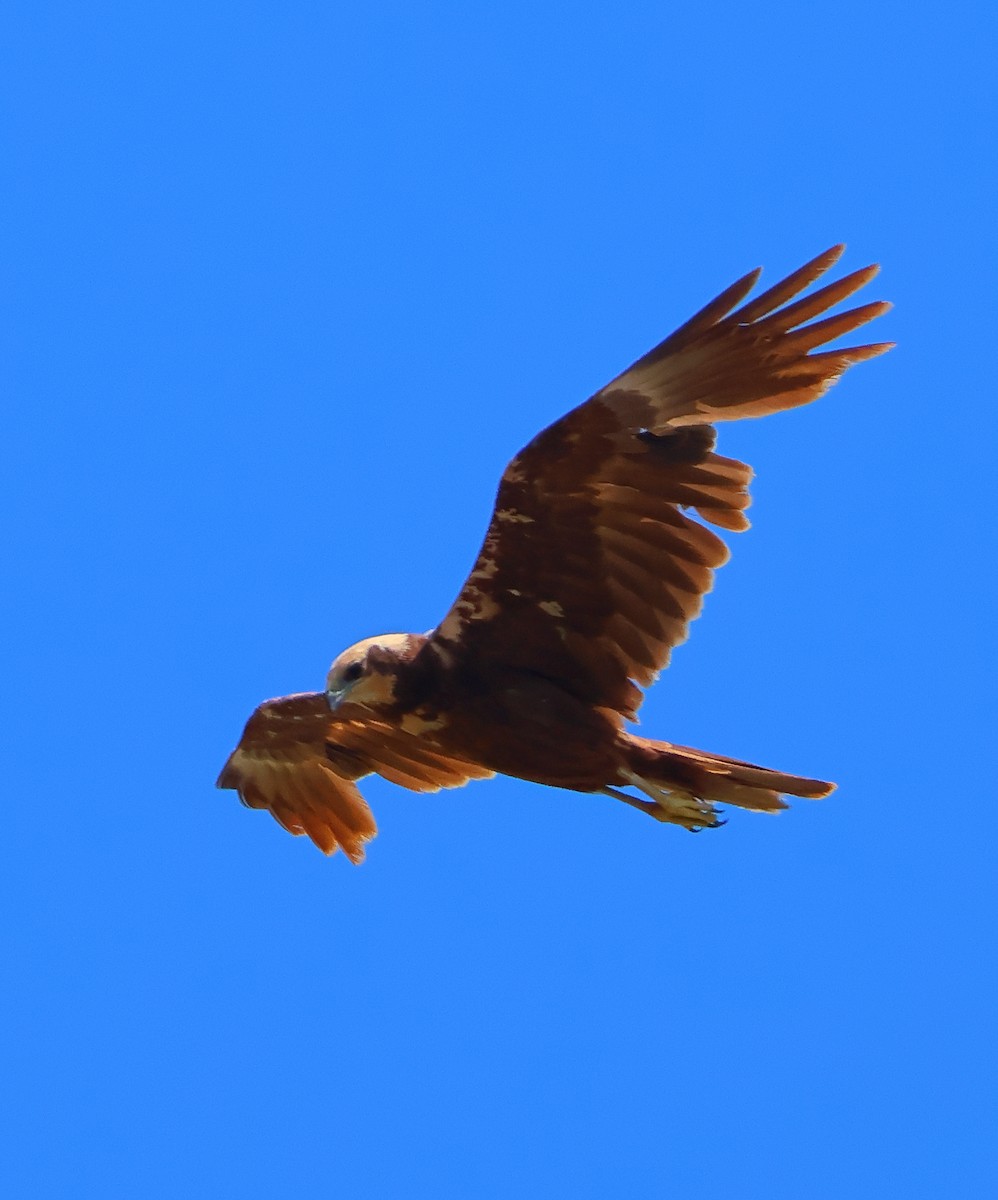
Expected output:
(591, 571)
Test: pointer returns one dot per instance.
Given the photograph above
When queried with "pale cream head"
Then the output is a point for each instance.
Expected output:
(355, 678)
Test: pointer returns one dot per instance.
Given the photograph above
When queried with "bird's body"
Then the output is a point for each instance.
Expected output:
(591, 570)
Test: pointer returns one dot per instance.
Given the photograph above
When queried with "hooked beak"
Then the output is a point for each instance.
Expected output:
(334, 698)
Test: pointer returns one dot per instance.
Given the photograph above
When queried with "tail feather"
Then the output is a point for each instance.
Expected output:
(716, 778)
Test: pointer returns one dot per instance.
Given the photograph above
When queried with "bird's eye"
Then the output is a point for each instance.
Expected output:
(352, 673)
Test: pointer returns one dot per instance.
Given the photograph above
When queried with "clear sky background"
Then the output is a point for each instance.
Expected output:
(285, 287)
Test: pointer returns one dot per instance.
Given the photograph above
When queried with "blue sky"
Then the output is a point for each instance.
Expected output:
(285, 288)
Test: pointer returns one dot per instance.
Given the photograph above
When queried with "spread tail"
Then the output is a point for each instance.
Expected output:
(684, 784)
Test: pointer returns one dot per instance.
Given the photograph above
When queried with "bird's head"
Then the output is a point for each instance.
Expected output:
(365, 673)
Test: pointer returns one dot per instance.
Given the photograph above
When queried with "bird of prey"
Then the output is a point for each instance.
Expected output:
(592, 568)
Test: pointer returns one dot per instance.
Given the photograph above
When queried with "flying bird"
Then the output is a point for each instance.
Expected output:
(592, 568)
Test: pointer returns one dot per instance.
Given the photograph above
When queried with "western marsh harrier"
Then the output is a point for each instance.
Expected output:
(592, 568)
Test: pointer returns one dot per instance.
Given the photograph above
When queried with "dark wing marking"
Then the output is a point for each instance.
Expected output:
(591, 570)
(299, 761)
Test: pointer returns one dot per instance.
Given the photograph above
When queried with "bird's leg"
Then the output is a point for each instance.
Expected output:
(669, 805)
(644, 806)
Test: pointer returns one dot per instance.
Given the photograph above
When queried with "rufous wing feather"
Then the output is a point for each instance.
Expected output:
(281, 765)
(299, 762)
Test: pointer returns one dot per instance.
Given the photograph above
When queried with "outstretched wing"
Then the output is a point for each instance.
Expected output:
(300, 762)
(591, 570)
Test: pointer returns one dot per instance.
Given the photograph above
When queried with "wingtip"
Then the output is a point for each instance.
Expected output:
(862, 275)
(355, 848)
(819, 264)
(864, 353)
(828, 258)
